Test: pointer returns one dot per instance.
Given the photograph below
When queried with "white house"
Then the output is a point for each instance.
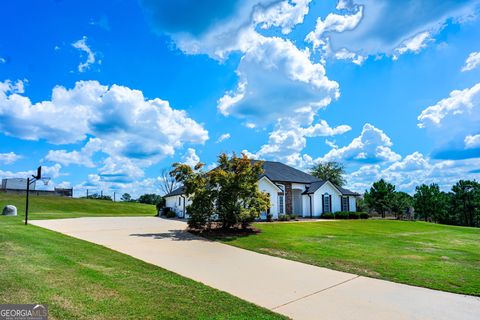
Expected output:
(291, 192)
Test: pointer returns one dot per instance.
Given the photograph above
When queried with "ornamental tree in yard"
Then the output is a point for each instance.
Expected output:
(238, 199)
(380, 197)
(197, 189)
(229, 192)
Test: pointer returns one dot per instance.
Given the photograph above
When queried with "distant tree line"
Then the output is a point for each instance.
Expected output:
(148, 198)
(460, 206)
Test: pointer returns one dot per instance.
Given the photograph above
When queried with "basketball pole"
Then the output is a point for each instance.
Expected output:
(30, 181)
(26, 205)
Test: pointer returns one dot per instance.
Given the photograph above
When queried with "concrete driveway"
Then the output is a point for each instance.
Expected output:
(295, 289)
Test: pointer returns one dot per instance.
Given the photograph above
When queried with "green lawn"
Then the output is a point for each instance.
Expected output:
(44, 207)
(81, 280)
(417, 253)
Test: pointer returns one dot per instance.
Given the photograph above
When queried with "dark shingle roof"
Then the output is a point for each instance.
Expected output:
(176, 192)
(347, 192)
(277, 171)
(316, 185)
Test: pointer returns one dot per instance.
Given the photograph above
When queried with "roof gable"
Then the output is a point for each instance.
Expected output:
(277, 171)
(318, 184)
(177, 192)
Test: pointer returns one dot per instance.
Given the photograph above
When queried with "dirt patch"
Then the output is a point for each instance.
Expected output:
(275, 252)
(66, 304)
(99, 268)
(413, 257)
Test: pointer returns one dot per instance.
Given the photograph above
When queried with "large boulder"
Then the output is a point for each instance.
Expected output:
(9, 211)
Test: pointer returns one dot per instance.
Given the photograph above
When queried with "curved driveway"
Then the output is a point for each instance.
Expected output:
(295, 289)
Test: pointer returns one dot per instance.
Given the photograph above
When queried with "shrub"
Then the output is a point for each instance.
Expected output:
(160, 206)
(293, 216)
(342, 215)
(284, 217)
(170, 214)
(269, 217)
(327, 215)
(353, 215)
(364, 215)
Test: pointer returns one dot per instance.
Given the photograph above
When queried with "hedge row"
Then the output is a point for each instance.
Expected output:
(343, 215)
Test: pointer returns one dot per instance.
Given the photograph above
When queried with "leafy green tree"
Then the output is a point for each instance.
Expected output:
(331, 171)
(238, 199)
(380, 197)
(444, 213)
(126, 197)
(198, 190)
(428, 201)
(150, 198)
(361, 205)
(401, 201)
(97, 196)
(466, 202)
(230, 191)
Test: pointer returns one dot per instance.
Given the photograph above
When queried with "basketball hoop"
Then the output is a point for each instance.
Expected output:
(45, 180)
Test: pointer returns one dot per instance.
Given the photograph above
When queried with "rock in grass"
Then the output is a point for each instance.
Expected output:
(9, 211)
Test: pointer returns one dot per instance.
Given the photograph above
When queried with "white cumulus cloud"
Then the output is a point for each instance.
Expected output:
(454, 123)
(277, 79)
(472, 141)
(372, 146)
(130, 129)
(386, 27)
(90, 59)
(9, 157)
(286, 142)
(190, 157)
(472, 61)
(223, 137)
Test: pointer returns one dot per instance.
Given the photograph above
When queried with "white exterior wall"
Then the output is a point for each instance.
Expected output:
(172, 202)
(267, 186)
(353, 203)
(298, 186)
(306, 205)
(317, 198)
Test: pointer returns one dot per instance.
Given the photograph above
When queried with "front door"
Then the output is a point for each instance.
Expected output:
(297, 202)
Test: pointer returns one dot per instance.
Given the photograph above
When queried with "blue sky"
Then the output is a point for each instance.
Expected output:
(105, 95)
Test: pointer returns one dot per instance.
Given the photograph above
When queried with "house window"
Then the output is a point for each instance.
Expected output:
(280, 204)
(326, 203)
(345, 204)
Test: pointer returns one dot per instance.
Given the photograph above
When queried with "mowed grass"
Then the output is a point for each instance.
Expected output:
(47, 207)
(416, 253)
(81, 280)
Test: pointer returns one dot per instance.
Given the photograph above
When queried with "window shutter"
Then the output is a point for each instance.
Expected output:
(330, 202)
(348, 203)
